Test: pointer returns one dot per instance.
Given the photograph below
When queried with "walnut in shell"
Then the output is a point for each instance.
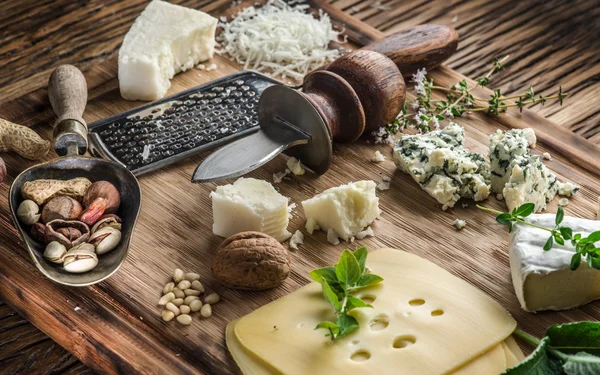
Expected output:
(252, 261)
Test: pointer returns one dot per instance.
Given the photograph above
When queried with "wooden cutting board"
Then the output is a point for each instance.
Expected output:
(115, 326)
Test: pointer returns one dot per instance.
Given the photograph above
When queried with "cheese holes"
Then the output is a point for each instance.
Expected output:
(438, 312)
(416, 302)
(360, 356)
(379, 323)
(368, 298)
(404, 341)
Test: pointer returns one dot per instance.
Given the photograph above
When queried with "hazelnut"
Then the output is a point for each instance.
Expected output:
(101, 197)
(251, 260)
(61, 208)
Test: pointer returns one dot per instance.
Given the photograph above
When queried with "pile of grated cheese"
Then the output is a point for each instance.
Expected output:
(279, 40)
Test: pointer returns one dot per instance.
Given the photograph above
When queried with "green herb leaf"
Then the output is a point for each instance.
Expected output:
(576, 337)
(549, 243)
(348, 269)
(567, 233)
(333, 328)
(331, 296)
(526, 209)
(594, 237)
(368, 279)
(575, 261)
(347, 324)
(361, 257)
(353, 303)
(327, 273)
(559, 240)
(582, 364)
(560, 215)
(537, 363)
(504, 218)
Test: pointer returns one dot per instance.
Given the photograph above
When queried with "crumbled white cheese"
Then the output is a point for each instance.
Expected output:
(77, 308)
(278, 39)
(386, 178)
(547, 156)
(201, 67)
(365, 233)
(297, 239)
(384, 185)
(459, 224)
(332, 237)
(311, 225)
(378, 157)
(211, 67)
(279, 176)
(568, 189)
(563, 202)
(351, 240)
(295, 166)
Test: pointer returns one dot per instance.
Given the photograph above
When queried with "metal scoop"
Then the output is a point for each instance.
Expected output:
(68, 95)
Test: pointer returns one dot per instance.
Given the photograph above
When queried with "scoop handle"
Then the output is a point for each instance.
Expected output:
(67, 90)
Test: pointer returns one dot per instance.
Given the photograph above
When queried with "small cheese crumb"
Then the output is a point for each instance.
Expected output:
(311, 225)
(77, 308)
(386, 178)
(332, 237)
(295, 166)
(201, 67)
(465, 205)
(378, 157)
(211, 67)
(297, 239)
(459, 224)
(384, 185)
(547, 156)
(563, 202)
(351, 240)
(365, 233)
(499, 196)
(279, 176)
(567, 189)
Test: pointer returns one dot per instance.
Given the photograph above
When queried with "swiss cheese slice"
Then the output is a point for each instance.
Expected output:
(424, 320)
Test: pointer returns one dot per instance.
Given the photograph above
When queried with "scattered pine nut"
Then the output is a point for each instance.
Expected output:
(184, 284)
(184, 309)
(184, 319)
(206, 311)
(196, 305)
(166, 298)
(189, 299)
(168, 288)
(191, 292)
(173, 308)
(178, 293)
(197, 285)
(191, 276)
(177, 302)
(212, 298)
(177, 275)
(167, 315)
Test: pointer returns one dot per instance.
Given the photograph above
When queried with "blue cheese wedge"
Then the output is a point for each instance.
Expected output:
(520, 176)
(443, 166)
(542, 279)
(164, 40)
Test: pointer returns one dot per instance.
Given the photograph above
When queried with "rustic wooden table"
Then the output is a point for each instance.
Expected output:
(551, 43)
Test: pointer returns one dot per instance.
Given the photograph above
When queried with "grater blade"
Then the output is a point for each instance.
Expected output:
(169, 130)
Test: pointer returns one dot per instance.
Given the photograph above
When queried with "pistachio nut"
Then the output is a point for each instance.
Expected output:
(28, 212)
(105, 239)
(109, 220)
(80, 259)
(55, 252)
(68, 232)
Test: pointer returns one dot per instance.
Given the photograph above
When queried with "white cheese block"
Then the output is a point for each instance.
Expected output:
(542, 279)
(345, 209)
(424, 320)
(250, 205)
(503, 149)
(443, 166)
(164, 40)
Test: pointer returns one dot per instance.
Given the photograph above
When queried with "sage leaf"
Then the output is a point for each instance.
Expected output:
(582, 364)
(576, 337)
(538, 363)
(330, 296)
(347, 269)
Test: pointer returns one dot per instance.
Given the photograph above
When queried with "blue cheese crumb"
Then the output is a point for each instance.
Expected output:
(563, 202)
(459, 224)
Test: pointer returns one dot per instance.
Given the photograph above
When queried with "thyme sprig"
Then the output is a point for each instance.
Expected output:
(426, 113)
(585, 247)
(338, 282)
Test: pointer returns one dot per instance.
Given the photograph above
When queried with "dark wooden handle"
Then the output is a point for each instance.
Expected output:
(67, 90)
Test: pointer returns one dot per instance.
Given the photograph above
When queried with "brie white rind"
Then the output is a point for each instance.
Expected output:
(164, 40)
(542, 279)
(250, 205)
(346, 209)
(443, 166)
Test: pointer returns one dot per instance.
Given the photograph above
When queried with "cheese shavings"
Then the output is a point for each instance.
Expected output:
(459, 224)
(378, 157)
(278, 39)
(297, 239)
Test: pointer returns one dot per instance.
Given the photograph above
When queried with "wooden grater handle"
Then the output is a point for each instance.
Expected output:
(67, 90)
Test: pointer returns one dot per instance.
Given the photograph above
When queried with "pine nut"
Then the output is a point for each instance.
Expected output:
(177, 275)
(167, 315)
(191, 292)
(184, 319)
(191, 276)
(206, 311)
(212, 298)
(184, 309)
(173, 308)
(189, 299)
(168, 288)
(196, 305)
(197, 285)
(166, 298)
(184, 284)
(178, 293)
(177, 302)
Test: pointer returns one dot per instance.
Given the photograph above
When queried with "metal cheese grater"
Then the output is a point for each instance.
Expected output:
(171, 129)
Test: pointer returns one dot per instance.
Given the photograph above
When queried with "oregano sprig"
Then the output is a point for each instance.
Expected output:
(585, 247)
(338, 282)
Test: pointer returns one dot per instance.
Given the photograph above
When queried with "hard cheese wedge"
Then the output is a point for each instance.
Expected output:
(543, 280)
(424, 321)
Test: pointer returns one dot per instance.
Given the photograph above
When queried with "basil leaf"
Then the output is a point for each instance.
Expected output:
(594, 237)
(353, 303)
(331, 326)
(347, 324)
(575, 261)
(369, 279)
(582, 364)
(575, 337)
(330, 296)
(537, 363)
(567, 233)
(347, 269)
(560, 215)
(361, 257)
(327, 273)
(525, 209)
(548, 244)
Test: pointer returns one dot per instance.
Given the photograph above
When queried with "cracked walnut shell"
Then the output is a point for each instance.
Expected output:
(251, 261)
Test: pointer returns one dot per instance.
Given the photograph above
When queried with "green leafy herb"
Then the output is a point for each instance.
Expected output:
(338, 282)
(585, 247)
(570, 349)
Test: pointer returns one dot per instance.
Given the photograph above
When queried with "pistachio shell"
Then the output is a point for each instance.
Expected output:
(80, 259)
(55, 252)
(105, 239)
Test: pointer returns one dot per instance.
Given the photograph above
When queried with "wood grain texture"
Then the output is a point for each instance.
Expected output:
(551, 43)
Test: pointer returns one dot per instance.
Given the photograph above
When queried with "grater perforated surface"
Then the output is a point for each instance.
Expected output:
(168, 130)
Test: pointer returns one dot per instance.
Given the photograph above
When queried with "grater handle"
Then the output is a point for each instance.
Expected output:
(67, 90)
